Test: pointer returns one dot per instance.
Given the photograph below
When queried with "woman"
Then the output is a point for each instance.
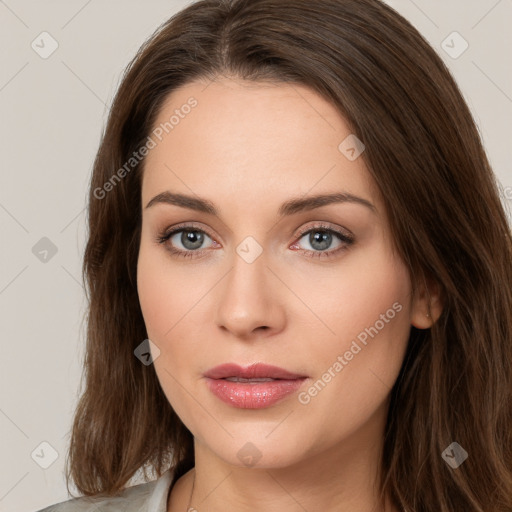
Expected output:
(299, 273)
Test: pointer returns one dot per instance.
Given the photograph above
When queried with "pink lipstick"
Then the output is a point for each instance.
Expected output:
(253, 387)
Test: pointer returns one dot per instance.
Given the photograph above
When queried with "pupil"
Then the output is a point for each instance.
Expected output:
(192, 239)
(322, 238)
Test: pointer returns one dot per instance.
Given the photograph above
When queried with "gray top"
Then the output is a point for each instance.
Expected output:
(147, 497)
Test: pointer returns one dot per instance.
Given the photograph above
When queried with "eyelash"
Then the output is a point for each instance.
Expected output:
(165, 235)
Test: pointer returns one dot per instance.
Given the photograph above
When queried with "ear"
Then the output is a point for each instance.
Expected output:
(427, 304)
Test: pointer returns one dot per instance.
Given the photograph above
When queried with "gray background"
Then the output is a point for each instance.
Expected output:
(53, 111)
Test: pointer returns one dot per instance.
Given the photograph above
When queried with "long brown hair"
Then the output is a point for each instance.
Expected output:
(449, 227)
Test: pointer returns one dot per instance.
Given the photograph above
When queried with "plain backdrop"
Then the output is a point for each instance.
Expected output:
(52, 113)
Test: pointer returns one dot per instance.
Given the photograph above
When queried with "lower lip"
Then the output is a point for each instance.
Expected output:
(257, 395)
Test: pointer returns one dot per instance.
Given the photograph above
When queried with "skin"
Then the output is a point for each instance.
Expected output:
(248, 147)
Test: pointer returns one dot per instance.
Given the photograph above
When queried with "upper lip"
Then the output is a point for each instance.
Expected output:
(253, 371)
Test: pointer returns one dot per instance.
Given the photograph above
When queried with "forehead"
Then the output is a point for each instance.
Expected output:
(251, 139)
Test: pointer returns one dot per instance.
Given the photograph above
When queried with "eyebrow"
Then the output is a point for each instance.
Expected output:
(290, 207)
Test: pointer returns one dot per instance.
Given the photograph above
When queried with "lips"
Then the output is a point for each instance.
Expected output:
(252, 372)
(253, 387)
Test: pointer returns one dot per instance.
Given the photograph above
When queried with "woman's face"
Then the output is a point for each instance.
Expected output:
(272, 277)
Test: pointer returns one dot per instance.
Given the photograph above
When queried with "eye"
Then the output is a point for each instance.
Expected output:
(185, 241)
(322, 237)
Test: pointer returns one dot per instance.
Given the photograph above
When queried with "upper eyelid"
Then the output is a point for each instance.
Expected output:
(187, 227)
(325, 227)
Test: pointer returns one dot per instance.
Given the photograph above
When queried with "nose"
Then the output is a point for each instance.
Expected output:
(250, 302)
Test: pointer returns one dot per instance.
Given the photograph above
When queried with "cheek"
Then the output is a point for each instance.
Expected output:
(379, 297)
(165, 294)
(172, 299)
(355, 369)
(164, 300)
(352, 295)
(152, 291)
(365, 306)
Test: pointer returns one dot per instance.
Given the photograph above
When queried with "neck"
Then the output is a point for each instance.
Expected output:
(342, 478)
(320, 482)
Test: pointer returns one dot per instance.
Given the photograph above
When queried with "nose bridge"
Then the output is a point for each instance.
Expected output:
(249, 299)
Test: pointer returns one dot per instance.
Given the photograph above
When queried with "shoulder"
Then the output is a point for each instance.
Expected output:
(146, 497)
